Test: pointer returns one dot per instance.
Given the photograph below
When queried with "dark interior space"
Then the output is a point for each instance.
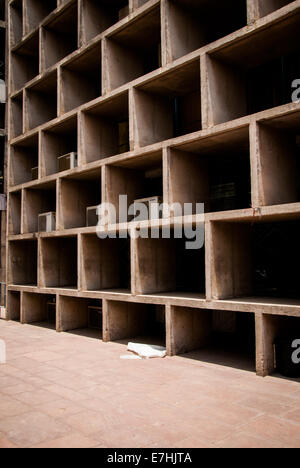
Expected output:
(230, 341)
(202, 22)
(190, 268)
(99, 16)
(23, 262)
(59, 262)
(81, 79)
(25, 62)
(42, 101)
(60, 36)
(230, 183)
(106, 127)
(135, 50)
(170, 106)
(56, 142)
(276, 257)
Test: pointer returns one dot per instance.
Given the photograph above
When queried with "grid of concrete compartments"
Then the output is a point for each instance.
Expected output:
(2, 150)
(156, 99)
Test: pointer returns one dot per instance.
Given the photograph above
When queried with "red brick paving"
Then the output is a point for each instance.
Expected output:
(67, 390)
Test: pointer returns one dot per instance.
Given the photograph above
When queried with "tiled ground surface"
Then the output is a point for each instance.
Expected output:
(65, 390)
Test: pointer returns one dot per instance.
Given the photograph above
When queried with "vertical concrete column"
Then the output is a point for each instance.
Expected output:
(188, 329)
(207, 118)
(252, 11)
(267, 327)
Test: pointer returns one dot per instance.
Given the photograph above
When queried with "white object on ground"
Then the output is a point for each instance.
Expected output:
(147, 351)
(130, 357)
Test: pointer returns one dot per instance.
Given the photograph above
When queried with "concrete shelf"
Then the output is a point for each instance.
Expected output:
(58, 263)
(219, 337)
(279, 149)
(193, 24)
(41, 101)
(60, 36)
(161, 99)
(25, 62)
(41, 199)
(35, 11)
(168, 106)
(136, 179)
(73, 315)
(135, 322)
(105, 129)
(216, 175)
(23, 158)
(22, 261)
(36, 309)
(171, 268)
(61, 139)
(81, 79)
(260, 260)
(77, 194)
(105, 264)
(97, 16)
(242, 82)
(133, 51)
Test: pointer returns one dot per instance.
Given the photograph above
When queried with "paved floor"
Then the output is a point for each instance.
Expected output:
(65, 390)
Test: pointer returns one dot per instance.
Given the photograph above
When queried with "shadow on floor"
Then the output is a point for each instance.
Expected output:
(87, 333)
(234, 358)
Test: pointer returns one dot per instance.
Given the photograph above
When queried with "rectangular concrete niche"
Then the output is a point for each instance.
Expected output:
(193, 24)
(145, 323)
(166, 267)
(61, 139)
(106, 129)
(243, 82)
(215, 172)
(220, 337)
(24, 160)
(268, 6)
(38, 200)
(14, 213)
(58, 262)
(135, 50)
(16, 118)
(14, 305)
(39, 309)
(168, 106)
(279, 144)
(105, 264)
(35, 11)
(269, 328)
(60, 36)
(23, 262)
(25, 62)
(97, 16)
(74, 314)
(77, 194)
(16, 21)
(137, 179)
(81, 79)
(256, 261)
(41, 101)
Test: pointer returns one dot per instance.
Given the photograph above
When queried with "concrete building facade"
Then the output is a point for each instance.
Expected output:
(190, 101)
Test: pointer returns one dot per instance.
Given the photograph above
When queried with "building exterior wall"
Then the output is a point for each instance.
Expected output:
(158, 98)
